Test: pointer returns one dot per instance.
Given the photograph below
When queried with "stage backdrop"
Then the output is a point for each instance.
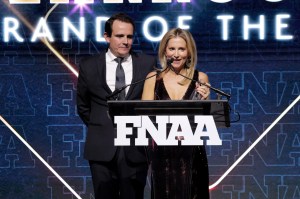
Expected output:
(249, 48)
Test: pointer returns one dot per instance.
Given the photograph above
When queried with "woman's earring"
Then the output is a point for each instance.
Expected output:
(188, 63)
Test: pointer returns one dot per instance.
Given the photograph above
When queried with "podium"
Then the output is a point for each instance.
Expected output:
(167, 151)
(219, 109)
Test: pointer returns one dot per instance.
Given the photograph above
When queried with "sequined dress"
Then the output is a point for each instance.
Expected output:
(177, 172)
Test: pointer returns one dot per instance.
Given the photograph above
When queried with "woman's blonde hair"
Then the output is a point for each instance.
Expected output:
(191, 48)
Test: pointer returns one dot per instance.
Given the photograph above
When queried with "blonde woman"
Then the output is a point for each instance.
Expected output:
(177, 171)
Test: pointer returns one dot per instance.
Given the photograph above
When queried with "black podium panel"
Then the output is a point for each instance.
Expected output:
(219, 109)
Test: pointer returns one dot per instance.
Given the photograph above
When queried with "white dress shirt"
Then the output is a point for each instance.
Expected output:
(111, 66)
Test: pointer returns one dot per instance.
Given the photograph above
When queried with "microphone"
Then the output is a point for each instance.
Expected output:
(208, 86)
(113, 95)
(170, 61)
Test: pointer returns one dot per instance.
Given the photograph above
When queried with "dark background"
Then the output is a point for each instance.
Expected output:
(37, 97)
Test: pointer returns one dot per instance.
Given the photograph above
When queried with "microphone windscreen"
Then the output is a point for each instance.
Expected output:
(170, 61)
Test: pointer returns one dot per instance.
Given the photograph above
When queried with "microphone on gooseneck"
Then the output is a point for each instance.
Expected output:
(170, 61)
(114, 94)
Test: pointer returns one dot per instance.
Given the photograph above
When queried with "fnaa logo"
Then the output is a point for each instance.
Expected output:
(170, 130)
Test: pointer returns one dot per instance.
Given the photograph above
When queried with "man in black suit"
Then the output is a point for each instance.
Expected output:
(117, 172)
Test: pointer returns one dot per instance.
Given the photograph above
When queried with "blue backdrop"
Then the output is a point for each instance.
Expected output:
(37, 93)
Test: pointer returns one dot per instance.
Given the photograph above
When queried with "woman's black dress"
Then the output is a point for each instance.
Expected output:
(177, 172)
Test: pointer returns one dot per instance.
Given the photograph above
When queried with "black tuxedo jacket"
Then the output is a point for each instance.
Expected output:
(92, 108)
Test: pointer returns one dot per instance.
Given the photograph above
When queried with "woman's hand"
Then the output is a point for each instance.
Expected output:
(203, 90)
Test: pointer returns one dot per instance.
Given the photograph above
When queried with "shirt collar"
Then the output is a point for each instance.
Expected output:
(112, 57)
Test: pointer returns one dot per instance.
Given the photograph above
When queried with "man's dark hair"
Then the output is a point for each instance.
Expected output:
(120, 17)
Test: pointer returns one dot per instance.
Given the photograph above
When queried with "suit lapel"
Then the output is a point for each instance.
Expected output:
(101, 69)
(135, 72)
